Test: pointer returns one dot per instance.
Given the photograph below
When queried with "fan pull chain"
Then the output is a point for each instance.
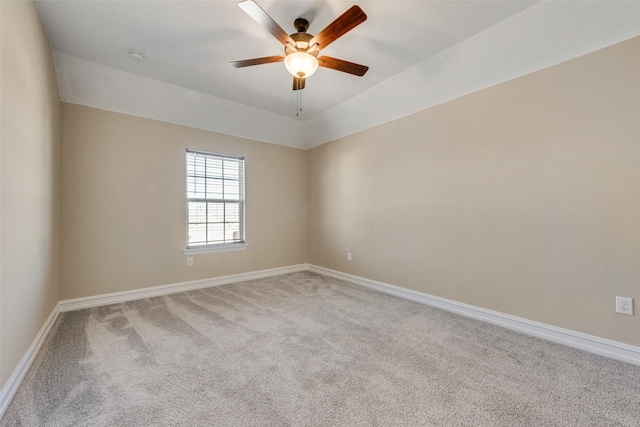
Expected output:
(299, 106)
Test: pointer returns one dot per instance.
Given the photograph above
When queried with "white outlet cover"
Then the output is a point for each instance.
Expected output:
(624, 305)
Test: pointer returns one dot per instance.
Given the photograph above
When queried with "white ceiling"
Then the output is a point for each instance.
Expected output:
(420, 53)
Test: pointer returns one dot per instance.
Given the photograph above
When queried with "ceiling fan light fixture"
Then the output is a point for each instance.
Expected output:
(301, 64)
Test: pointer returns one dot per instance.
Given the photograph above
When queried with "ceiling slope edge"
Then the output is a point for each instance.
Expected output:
(540, 36)
(95, 85)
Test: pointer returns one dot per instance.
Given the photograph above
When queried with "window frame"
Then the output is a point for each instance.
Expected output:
(220, 246)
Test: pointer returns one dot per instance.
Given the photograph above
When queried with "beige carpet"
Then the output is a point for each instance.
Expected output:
(306, 350)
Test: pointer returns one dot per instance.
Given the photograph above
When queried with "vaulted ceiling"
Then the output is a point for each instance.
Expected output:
(420, 54)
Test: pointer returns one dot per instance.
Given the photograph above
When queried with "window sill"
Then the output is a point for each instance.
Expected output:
(216, 248)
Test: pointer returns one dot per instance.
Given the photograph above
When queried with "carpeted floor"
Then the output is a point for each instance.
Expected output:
(307, 350)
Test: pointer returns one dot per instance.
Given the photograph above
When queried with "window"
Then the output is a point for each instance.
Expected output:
(215, 202)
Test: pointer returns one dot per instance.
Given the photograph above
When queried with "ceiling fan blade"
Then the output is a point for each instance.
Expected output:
(344, 23)
(261, 17)
(298, 83)
(257, 61)
(341, 65)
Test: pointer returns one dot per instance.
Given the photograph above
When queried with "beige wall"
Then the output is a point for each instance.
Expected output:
(124, 203)
(523, 198)
(30, 182)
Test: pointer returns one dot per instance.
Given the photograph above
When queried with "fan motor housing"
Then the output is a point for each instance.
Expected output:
(302, 40)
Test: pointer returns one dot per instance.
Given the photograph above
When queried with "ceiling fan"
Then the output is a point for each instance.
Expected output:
(301, 49)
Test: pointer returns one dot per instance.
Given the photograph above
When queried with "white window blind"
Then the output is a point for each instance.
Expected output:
(215, 200)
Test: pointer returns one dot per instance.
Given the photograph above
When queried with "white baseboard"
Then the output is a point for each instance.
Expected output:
(13, 383)
(601, 346)
(154, 291)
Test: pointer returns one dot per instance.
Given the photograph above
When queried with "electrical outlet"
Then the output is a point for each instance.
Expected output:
(624, 305)
(189, 261)
(348, 256)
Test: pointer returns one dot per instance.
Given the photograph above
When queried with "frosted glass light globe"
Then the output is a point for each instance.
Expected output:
(301, 64)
